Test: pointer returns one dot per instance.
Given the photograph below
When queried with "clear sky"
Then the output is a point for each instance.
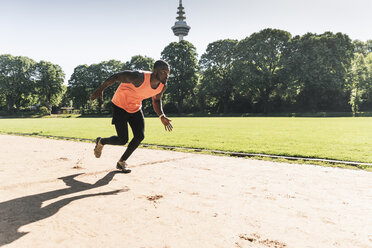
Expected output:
(74, 32)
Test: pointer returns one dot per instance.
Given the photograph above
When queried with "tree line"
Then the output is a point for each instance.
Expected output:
(267, 72)
(25, 83)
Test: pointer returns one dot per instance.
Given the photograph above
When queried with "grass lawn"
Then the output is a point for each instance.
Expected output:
(348, 139)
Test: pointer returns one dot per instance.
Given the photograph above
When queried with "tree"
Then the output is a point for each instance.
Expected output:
(98, 73)
(78, 89)
(319, 66)
(182, 58)
(16, 82)
(362, 47)
(140, 62)
(49, 83)
(217, 79)
(258, 62)
(369, 46)
(85, 79)
(358, 82)
(366, 104)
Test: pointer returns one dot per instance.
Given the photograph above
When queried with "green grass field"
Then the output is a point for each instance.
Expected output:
(348, 139)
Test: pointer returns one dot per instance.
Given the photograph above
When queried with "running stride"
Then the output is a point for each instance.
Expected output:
(127, 107)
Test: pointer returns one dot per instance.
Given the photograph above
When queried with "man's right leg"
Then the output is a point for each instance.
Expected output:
(120, 139)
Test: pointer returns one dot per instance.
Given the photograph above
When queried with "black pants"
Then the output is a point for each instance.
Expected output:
(121, 118)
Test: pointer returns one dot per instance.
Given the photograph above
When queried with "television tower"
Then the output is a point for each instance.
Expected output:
(180, 27)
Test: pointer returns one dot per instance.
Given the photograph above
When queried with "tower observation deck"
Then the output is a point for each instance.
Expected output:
(180, 27)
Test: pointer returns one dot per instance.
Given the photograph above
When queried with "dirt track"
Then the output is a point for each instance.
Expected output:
(57, 194)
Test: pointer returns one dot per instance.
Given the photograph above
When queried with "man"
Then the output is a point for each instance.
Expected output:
(127, 106)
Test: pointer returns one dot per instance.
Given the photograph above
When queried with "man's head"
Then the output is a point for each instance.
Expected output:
(161, 71)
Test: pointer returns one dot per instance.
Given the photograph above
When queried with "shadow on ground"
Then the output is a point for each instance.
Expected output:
(25, 210)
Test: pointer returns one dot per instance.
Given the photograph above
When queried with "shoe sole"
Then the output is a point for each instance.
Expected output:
(96, 153)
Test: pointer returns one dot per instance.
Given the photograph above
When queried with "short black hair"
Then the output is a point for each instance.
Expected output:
(161, 63)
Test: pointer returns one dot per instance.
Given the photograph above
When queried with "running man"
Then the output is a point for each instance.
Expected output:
(127, 107)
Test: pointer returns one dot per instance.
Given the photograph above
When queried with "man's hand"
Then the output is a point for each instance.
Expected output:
(96, 94)
(166, 122)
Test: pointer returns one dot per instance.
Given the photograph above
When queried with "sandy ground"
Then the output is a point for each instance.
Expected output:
(57, 194)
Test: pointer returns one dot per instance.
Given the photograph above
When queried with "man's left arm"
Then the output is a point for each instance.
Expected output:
(156, 104)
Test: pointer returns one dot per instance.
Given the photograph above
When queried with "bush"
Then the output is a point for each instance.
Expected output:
(44, 111)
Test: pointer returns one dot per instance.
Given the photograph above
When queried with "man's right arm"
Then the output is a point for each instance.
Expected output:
(123, 77)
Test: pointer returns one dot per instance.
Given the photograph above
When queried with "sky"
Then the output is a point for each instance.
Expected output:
(75, 32)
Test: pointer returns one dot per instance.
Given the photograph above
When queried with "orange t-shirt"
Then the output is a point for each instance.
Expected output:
(129, 97)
